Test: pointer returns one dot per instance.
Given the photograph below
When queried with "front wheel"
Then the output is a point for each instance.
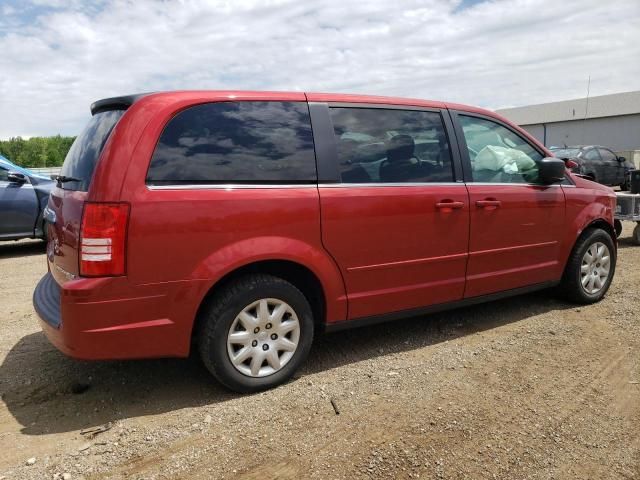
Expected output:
(255, 333)
(590, 268)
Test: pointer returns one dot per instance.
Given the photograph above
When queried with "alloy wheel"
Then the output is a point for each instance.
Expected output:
(595, 268)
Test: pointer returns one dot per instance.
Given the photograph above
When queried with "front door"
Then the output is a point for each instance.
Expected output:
(18, 208)
(516, 224)
(614, 169)
(396, 221)
(593, 166)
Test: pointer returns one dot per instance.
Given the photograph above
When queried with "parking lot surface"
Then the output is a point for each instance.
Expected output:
(529, 387)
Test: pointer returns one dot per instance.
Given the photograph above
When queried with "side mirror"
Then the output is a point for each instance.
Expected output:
(551, 170)
(621, 159)
(16, 177)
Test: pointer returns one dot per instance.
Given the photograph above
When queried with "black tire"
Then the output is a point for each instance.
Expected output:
(617, 227)
(636, 234)
(624, 187)
(219, 313)
(571, 286)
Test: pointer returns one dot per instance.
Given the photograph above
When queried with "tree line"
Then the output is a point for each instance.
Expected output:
(36, 151)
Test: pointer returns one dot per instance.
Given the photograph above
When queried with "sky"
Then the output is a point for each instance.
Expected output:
(58, 56)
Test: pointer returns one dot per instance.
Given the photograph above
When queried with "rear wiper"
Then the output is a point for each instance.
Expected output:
(64, 179)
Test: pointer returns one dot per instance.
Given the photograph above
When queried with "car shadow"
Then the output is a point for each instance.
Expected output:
(22, 248)
(626, 242)
(47, 392)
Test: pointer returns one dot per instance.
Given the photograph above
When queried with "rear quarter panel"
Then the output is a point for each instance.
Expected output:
(199, 235)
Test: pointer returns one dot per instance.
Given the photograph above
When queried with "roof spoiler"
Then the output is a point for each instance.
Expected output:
(116, 103)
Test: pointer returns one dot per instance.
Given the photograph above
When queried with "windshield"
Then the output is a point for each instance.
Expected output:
(566, 152)
(86, 149)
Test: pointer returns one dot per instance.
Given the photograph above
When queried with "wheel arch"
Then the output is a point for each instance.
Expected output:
(295, 273)
(602, 224)
(597, 222)
(306, 266)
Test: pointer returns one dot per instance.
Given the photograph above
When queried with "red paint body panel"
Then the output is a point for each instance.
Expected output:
(373, 249)
(587, 203)
(389, 244)
(516, 243)
(214, 232)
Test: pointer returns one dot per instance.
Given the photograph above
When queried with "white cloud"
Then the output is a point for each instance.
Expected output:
(58, 57)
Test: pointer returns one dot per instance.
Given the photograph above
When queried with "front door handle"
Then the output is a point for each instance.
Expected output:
(448, 205)
(488, 204)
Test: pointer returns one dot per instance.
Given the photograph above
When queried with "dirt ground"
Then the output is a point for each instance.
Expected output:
(528, 387)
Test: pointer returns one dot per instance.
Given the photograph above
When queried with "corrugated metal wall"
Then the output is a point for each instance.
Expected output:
(618, 133)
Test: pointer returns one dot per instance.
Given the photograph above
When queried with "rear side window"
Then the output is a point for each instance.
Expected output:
(236, 142)
(83, 156)
(378, 145)
(606, 155)
(592, 155)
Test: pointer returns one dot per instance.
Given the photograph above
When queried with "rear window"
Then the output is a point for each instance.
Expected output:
(236, 142)
(83, 156)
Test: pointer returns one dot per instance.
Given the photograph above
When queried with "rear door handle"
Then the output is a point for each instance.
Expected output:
(488, 204)
(448, 205)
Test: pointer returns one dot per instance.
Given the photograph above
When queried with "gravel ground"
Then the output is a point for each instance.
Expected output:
(528, 387)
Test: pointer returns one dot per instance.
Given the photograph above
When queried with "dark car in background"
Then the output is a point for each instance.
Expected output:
(23, 198)
(600, 164)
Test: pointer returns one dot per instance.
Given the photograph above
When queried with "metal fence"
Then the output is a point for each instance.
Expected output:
(47, 170)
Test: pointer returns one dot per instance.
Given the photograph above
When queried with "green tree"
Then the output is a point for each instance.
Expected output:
(36, 151)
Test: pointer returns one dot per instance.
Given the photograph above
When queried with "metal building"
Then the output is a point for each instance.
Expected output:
(609, 120)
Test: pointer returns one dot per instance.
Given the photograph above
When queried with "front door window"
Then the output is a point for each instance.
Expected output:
(497, 154)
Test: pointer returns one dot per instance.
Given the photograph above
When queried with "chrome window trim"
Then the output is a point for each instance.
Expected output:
(484, 184)
(230, 186)
(395, 184)
(244, 186)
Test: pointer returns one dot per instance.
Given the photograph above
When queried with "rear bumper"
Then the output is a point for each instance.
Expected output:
(46, 301)
(108, 319)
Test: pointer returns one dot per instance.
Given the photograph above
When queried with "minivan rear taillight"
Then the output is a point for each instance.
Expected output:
(102, 239)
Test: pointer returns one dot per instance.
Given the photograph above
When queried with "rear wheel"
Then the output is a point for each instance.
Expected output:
(255, 333)
(590, 268)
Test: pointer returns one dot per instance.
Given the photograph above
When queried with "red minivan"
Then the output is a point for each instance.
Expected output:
(243, 222)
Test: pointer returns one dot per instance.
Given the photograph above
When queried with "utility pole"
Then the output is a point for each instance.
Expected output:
(586, 109)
